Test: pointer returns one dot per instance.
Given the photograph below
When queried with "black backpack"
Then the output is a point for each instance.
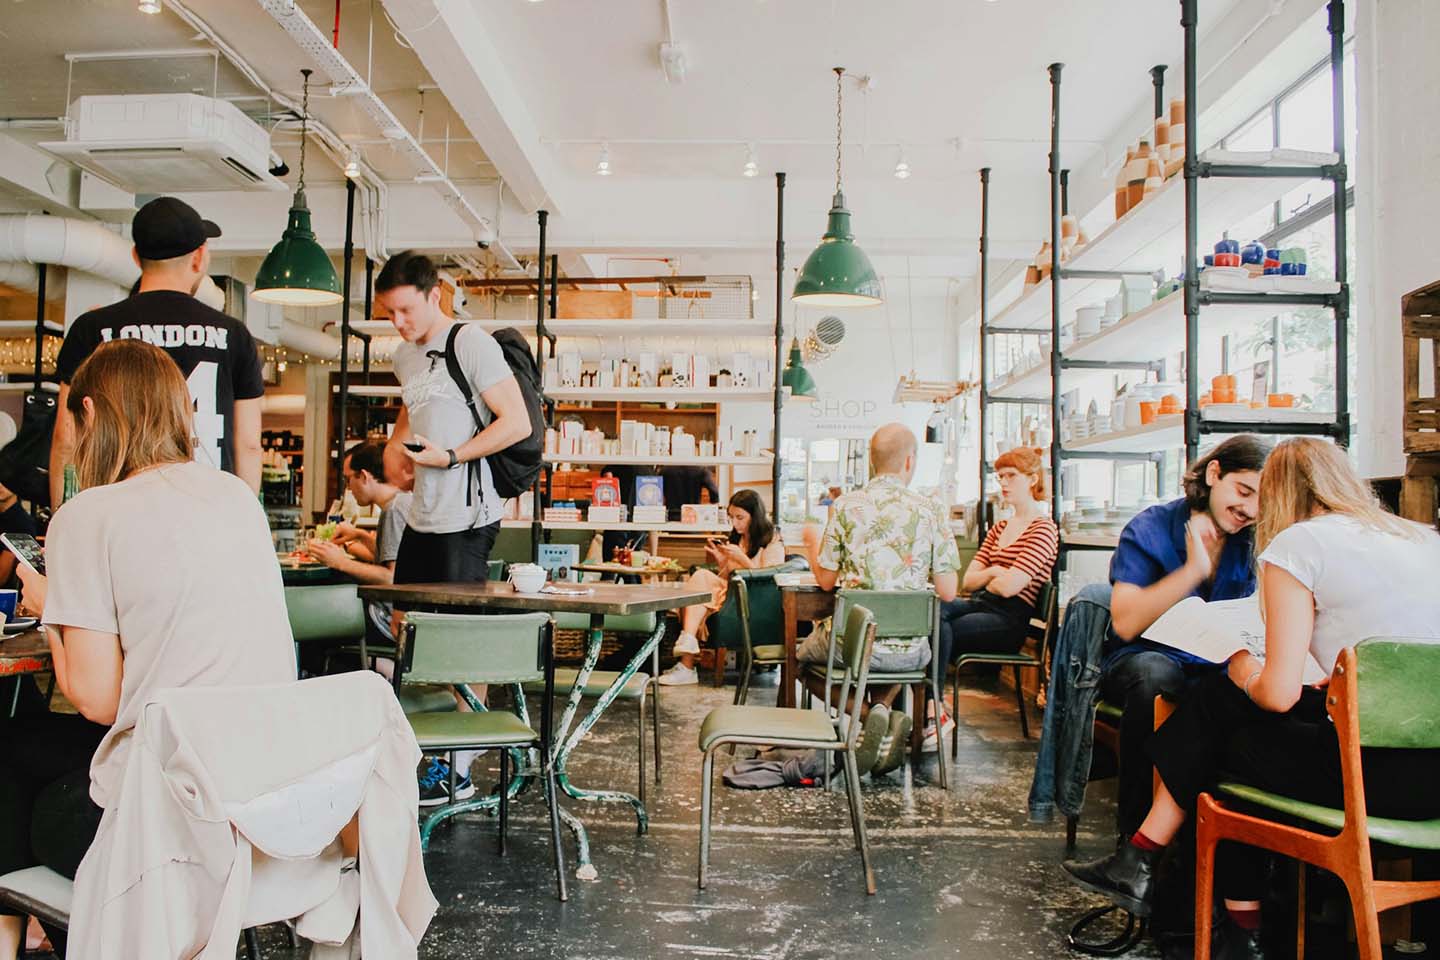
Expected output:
(25, 461)
(514, 469)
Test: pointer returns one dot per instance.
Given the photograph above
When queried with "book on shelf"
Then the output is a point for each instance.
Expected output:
(700, 514)
(606, 514)
(561, 513)
(1218, 630)
(649, 514)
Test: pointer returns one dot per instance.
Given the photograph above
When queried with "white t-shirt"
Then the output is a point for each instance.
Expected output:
(437, 412)
(178, 562)
(1367, 583)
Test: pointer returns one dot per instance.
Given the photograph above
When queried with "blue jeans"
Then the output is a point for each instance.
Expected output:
(1062, 767)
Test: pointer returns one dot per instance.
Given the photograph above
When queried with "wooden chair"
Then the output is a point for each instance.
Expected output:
(1047, 602)
(1382, 694)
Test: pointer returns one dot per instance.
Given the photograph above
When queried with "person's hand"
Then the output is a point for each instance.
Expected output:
(344, 533)
(430, 456)
(712, 551)
(1242, 667)
(811, 535)
(1202, 542)
(733, 553)
(32, 598)
(327, 552)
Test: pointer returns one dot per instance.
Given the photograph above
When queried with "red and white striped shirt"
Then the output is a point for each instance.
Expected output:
(1034, 552)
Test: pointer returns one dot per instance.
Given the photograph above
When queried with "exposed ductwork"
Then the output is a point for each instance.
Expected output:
(84, 245)
(23, 276)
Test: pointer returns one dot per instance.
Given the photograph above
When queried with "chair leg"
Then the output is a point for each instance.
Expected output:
(937, 699)
(742, 686)
(1300, 909)
(706, 772)
(252, 944)
(504, 797)
(1072, 827)
(852, 784)
(849, 801)
(1367, 921)
(552, 801)
(655, 708)
(640, 745)
(955, 714)
(1020, 702)
(1205, 841)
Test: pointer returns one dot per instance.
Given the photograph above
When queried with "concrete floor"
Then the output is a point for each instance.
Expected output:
(959, 872)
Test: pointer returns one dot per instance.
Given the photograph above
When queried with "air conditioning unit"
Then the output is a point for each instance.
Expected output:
(167, 143)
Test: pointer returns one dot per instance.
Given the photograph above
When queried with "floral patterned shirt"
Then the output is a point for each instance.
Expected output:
(885, 536)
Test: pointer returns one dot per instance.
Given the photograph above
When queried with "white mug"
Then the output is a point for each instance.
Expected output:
(527, 577)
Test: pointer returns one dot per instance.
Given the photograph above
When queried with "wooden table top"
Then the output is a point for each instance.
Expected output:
(612, 598)
(802, 581)
(625, 570)
(27, 652)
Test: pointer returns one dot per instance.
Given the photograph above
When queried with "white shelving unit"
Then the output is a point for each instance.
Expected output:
(1101, 541)
(628, 527)
(673, 327)
(635, 460)
(1165, 433)
(660, 394)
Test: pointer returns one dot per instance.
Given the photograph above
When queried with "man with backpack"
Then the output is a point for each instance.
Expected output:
(462, 407)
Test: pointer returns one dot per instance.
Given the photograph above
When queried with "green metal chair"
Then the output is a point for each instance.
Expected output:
(758, 600)
(1382, 694)
(798, 729)
(726, 628)
(1044, 623)
(638, 689)
(898, 613)
(460, 649)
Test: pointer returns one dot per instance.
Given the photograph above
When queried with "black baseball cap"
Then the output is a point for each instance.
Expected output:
(166, 228)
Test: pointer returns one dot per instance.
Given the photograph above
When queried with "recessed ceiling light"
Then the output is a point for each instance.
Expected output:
(752, 167)
(602, 166)
(149, 6)
(902, 167)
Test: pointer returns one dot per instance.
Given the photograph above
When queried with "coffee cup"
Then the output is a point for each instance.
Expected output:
(8, 600)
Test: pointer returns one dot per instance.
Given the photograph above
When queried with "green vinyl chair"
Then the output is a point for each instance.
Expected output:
(331, 615)
(758, 599)
(1382, 694)
(460, 650)
(898, 613)
(798, 729)
(639, 689)
(1042, 627)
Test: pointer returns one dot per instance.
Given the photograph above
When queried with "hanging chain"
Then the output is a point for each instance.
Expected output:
(839, 123)
(304, 119)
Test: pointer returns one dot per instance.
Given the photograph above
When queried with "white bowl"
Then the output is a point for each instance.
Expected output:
(527, 581)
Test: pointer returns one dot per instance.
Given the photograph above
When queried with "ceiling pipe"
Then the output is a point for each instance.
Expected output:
(85, 245)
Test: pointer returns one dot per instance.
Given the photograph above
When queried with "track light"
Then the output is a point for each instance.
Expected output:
(752, 168)
(602, 166)
(150, 6)
(352, 166)
(902, 167)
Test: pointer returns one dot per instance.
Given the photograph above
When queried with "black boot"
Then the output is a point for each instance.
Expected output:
(1233, 942)
(1125, 877)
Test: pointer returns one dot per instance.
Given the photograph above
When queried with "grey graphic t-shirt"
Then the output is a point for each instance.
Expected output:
(437, 412)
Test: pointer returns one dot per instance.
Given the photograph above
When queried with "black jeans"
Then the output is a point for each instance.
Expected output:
(1132, 683)
(46, 814)
(1217, 734)
(982, 624)
(462, 556)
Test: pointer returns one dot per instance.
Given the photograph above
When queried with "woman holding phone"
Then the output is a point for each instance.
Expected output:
(753, 542)
(160, 573)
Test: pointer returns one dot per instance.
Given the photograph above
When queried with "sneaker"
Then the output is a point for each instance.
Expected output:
(895, 746)
(435, 784)
(872, 737)
(680, 676)
(931, 742)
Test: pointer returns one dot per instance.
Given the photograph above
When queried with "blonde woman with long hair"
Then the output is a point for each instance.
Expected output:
(160, 573)
(1335, 568)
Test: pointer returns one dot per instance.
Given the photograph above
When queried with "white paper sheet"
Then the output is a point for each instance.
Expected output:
(1217, 631)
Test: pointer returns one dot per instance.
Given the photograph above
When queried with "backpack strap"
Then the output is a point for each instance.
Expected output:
(452, 364)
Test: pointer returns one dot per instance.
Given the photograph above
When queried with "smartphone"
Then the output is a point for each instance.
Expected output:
(413, 447)
(26, 549)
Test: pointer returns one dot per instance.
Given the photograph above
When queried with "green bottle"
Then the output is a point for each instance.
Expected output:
(72, 484)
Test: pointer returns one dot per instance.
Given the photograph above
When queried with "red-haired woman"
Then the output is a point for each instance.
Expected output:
(1003, 581)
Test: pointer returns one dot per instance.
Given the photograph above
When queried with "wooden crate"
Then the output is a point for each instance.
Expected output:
(1420, 330)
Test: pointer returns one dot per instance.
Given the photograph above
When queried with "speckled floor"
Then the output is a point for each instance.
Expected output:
(958, 873)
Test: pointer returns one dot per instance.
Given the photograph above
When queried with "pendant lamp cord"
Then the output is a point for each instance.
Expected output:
(839, 121)
(304, 120)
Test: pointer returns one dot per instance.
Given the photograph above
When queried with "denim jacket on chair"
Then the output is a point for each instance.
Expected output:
(1062, 767)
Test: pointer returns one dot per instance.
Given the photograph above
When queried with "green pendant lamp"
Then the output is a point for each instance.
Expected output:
(796, 377)
(837, 273)
(298, 271)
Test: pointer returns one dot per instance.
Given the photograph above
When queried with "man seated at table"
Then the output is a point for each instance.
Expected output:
(1196, 546)
(365, 555)
(884, 536)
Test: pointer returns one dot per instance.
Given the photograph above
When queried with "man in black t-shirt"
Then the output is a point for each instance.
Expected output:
(215, 352)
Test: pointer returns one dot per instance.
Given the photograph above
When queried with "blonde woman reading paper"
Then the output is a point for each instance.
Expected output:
(754, 542)
(1335, 568)
(161, 574)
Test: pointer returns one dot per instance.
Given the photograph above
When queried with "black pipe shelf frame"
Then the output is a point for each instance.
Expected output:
(1190, 299)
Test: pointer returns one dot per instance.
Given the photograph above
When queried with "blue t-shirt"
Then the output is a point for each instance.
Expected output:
(1153, 545)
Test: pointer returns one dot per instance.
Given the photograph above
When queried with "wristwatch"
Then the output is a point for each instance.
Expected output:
(454, 460)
